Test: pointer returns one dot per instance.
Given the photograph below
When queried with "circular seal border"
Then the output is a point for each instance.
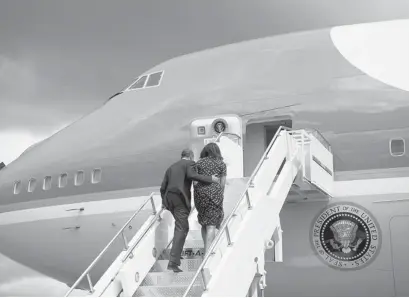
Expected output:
(342, 204)
(219, 120)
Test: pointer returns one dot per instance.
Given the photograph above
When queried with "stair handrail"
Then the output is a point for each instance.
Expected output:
(226, 133)
(321, 138)
(91, 266)
(227, 221)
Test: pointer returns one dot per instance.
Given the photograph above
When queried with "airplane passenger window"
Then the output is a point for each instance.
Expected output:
(96, 176)
(32, 183)
(79, 178)
(139, 83)
(154, 79)
(63, 180)
(17, 187)
(47, 183)
(397, 147)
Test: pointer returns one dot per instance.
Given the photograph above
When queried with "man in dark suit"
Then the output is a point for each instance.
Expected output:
(176, 197)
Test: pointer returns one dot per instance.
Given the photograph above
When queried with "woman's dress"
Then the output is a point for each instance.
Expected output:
(209, 197)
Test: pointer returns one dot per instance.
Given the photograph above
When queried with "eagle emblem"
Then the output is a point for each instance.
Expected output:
(345, 236)
(344, 232)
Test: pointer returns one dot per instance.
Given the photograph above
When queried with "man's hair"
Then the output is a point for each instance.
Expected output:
(211, 150)
(187, 153)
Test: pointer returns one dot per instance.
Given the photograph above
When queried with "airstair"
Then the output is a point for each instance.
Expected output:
(234, 264)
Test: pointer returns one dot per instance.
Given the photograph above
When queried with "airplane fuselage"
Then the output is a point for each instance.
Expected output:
(106, 160)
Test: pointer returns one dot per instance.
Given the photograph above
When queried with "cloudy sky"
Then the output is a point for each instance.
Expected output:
(61, 59)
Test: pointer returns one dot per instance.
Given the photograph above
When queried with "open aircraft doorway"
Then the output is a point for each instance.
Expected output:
(257, 137)
(249, 139)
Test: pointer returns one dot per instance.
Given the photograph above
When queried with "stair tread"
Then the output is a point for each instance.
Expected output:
(166, 286)
(168, 272)
(168, 291)
(168, 278)
(187, 265)
(165, 262)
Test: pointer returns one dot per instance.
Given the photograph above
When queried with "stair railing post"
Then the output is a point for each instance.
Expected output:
(229, 242)
(91, 287)
(248, 200)
(288, 140)
(153, 205)
(303, 157)
(204, 279)
(125, 240)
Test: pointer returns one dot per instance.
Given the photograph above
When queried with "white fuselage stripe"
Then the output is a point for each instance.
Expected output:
(130, 204)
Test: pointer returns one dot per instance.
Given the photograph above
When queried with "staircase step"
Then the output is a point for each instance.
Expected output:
(194, 235)
(168, 291)
(169, 278)
(191, 250)
(187, 265)
(193, 244)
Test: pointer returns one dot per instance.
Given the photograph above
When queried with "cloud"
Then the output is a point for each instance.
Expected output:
(33, 105)
(13, 143)
(32, 100)
(17, 77)
(54, 69)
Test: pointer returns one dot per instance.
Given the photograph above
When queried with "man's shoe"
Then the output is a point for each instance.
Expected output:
(174, 268)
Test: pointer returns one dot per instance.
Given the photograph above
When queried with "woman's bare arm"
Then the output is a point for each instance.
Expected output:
(223, 182)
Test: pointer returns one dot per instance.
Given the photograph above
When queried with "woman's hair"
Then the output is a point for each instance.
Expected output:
(211, 150)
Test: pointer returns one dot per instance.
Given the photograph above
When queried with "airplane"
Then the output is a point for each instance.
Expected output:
(64, 198)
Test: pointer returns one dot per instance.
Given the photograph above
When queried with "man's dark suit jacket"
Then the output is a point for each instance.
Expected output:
(178, 178)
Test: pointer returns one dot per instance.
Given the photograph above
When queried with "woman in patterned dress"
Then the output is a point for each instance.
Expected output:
(209, 197)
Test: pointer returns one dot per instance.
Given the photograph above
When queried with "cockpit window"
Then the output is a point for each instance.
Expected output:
(139, 83)
(148, 80)
(154, 79)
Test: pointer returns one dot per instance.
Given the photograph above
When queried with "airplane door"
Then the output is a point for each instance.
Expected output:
(399, 227)
(206, 130)
(319, 165)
